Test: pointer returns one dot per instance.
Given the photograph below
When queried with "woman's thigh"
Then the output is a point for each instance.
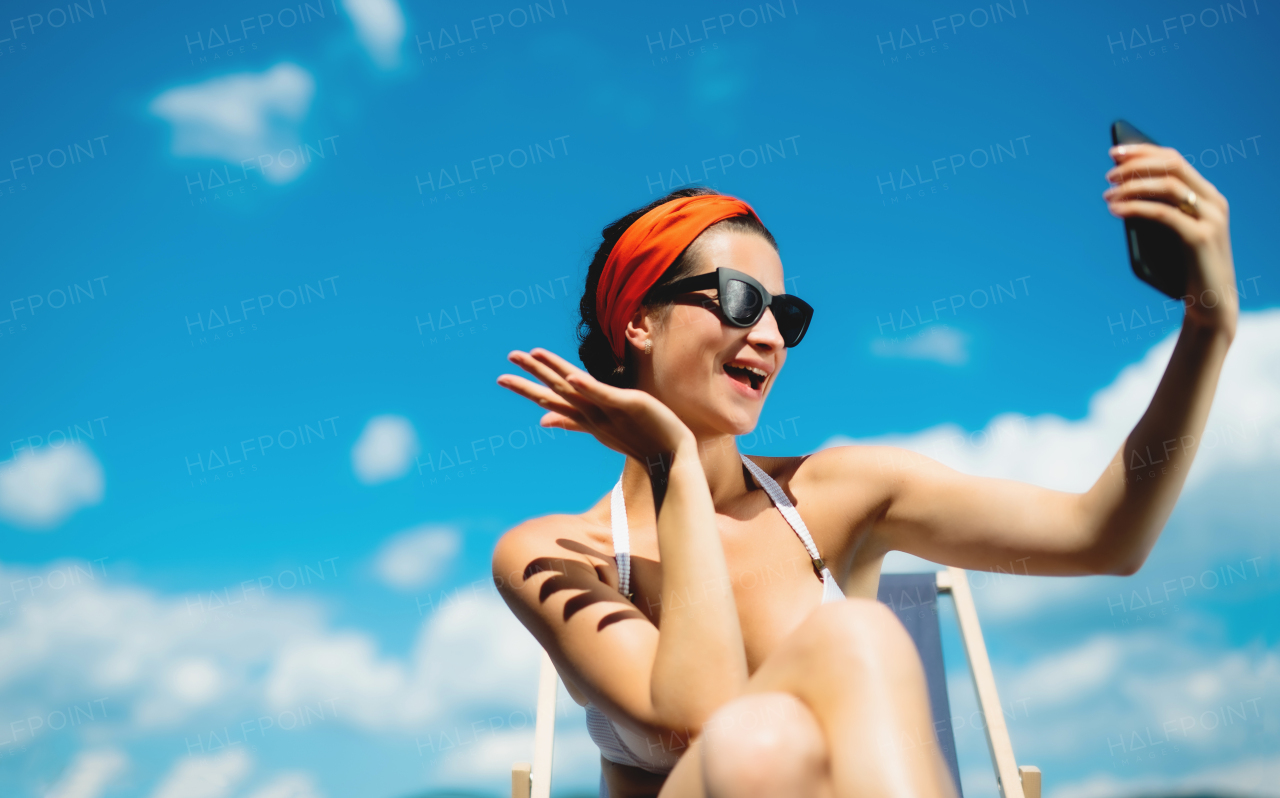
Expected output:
(837, 657)
(685, 779)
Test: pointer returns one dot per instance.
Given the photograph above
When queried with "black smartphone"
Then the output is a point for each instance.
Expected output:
(1157, 253)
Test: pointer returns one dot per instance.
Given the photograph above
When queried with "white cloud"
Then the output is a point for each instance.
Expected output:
(165, 662)
(89, 774)
(1198, 687)
(40, 488)
(1160, 690)
(205, 776)
(1258, 778)
(242, 117)
(1003, 598)
(220, 775)
(1070, 675)
(173, 665)
(288, 785)
(471, 656)
(194, 680)
(347, 669)
(379, 27)
(385, 449)
(501, 662)
(941, 344)
(575, 754)
(489, 753)
(159, 660)
(1243, 428)
(414, 559)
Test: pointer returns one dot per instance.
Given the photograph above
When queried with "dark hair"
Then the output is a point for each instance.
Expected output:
(593, 346)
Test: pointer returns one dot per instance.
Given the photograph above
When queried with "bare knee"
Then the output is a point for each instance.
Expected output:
(763, 744)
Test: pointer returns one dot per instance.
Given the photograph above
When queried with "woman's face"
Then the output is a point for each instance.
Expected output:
(697, 367)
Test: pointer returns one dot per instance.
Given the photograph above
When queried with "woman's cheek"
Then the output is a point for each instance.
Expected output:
(682, 319)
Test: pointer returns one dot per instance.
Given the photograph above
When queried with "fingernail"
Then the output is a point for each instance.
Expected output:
(1121, 150)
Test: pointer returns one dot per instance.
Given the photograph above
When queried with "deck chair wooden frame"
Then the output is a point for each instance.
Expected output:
(533, 780)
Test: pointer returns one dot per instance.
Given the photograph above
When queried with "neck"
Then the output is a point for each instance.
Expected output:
(721, 464)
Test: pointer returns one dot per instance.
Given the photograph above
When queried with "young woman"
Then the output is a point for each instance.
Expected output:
(729, 649)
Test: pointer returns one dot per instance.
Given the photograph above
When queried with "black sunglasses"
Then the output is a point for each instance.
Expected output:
(743, 301)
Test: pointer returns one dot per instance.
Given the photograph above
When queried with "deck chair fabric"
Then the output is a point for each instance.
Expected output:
(914, 599)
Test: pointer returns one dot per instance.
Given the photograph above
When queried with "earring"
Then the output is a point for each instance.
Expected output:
(648, 347)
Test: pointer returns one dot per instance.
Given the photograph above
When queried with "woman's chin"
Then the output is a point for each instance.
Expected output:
(738, 417)
(728, 412)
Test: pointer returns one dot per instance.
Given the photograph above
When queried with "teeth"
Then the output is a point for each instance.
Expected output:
(761, 374)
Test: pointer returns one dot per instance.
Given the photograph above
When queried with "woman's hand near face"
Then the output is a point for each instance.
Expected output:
(624, 419)
(707, 631)
(1156, 183)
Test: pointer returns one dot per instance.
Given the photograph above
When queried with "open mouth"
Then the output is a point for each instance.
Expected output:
(746, 375)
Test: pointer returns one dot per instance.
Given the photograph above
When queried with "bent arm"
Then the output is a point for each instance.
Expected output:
(989, 524)
(671, 681)
(668, 682)
(1128, 506)
(975, 523)
(600, 643)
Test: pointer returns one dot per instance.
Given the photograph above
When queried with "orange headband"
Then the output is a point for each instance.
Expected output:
(646, 249)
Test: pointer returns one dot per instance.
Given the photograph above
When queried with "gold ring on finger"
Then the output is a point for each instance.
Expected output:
(1188, 205)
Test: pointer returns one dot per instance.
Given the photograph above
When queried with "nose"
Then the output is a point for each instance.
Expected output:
(764, 334)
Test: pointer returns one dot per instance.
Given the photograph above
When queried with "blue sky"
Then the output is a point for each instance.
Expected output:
(262, 265)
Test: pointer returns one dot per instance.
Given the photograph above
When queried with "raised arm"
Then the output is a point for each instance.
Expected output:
(979, 523)
(672, 681)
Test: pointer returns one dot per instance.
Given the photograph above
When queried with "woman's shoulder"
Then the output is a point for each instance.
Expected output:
(865, 465)
(545, 539)
(565, 545)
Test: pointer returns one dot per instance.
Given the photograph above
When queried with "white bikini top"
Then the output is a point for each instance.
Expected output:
(618, 743)
(622, 534)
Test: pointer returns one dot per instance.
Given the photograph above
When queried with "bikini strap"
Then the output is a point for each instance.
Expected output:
(621, 538)
(622, 533)
(789, 512)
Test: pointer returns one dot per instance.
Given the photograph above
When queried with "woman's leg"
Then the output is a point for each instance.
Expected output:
(761, 745)
(854, 668)
(765, 745)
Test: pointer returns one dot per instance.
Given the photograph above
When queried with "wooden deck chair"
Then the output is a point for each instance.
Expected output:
(913, 597)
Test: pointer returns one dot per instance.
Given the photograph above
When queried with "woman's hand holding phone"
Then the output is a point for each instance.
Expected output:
(1157, 183)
